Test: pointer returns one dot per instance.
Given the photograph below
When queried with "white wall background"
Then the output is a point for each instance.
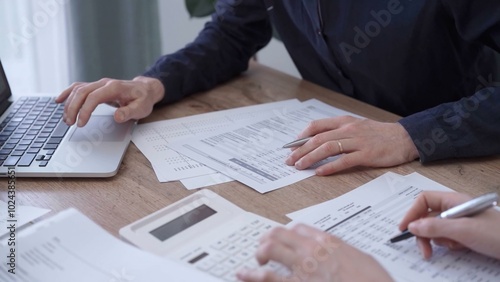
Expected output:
(33, 45)
(178, 30)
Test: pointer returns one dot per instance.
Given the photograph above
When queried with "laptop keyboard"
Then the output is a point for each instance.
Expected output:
(31, 132)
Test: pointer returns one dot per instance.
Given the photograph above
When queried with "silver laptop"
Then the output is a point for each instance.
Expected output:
(35, 142)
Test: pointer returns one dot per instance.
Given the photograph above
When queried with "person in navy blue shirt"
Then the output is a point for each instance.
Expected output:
(434, 62)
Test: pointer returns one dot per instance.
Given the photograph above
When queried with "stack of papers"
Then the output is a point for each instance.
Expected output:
(244, 144)
(368, 217)
(70, 247)
(153, 139)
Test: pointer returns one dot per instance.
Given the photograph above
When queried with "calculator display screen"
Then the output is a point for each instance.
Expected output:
(183, 222)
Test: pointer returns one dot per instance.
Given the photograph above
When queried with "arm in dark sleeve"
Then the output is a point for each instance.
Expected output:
(476, 20)
(469, 127)
(221, 51)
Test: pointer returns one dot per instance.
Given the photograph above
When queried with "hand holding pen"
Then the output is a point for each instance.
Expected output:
(478, 232)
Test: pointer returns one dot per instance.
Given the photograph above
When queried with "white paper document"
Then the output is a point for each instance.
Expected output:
(70, 247)
(205, 180)
(389, 179)
(22, 216)
(251, 152)
(153, 138)
(368, 217)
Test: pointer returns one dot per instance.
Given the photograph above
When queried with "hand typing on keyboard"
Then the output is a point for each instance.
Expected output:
(135, 98)
(312, 255)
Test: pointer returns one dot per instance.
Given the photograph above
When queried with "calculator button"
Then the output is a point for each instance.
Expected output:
(256, 223)
(232, 263)
(219, 256)
(267, 227)
(206, 264)
(277, 268)
(231, 249)
(253, 247)
(233, 237)
(219, 270)
(273, 265)
(219, 244)
(243, 242)
(244, 255)
(245, 230)
(250, 264)
(198, 257)
(256, 235)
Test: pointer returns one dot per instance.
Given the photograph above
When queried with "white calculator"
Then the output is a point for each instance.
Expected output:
(205, 231)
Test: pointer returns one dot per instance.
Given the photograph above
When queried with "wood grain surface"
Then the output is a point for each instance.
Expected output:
(135, 191)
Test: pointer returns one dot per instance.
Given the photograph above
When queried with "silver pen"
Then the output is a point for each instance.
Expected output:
(297, 143)
(469, 208)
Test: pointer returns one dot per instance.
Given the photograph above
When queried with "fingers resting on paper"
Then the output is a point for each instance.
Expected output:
(301, 246)
(357, 142)
(134, 98)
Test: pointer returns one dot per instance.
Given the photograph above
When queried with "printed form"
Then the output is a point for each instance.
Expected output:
(153, 139)
(70, 247)
(368, 217)
(252, 152)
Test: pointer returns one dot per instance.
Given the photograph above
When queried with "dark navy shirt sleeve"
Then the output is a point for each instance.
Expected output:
(471, 126)
(221, 51)
(466, 128)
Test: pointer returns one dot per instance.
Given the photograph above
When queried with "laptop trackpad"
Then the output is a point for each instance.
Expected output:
(101, 129)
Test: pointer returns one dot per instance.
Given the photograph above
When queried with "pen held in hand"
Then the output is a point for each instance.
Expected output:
(469, 208)
(297, 143)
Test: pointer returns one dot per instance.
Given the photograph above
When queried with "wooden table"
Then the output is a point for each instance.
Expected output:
(135, 191)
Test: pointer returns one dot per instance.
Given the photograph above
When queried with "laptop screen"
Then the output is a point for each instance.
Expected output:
(2, 86)
(4, 90)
